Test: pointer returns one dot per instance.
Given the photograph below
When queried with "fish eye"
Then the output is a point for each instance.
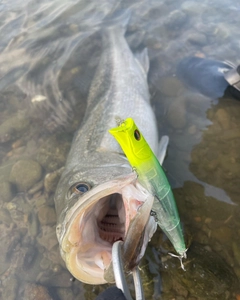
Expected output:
(137, 135)
(80, 188)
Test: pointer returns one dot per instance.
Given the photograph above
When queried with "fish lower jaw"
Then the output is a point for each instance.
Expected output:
(87, 245)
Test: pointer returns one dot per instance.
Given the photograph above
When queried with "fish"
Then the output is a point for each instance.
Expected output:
(98, 199)
(153, 178)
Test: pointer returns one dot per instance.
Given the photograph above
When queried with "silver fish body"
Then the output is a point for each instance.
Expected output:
(98, 199)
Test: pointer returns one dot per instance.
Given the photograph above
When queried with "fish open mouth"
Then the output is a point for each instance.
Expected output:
(116, 210)
(111, 220)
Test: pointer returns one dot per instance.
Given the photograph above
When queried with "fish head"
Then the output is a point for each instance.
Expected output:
(102, 205)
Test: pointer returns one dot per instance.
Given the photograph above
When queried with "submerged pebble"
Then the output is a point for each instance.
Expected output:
(13, 127)
(45, 263)
(6, 193)
(25, 173)
(5, 216)
(59, 279)
(48, 238)
(169, 86)
(207, 275)
(223, 118)
(37, 187)
(66, 293)
(222, 31)
(10, 288)
(197, 38)
(29, 257)
(51, 180)
(33, 225)
(175, 19)
(177, 114)
(36, 292)
(193, 8)
(47, 215)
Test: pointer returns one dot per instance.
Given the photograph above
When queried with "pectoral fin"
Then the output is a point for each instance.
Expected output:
(162, 148)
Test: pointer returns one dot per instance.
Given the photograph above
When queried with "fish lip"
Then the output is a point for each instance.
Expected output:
(69, 242)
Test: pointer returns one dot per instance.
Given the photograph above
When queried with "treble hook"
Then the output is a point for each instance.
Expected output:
(119, 275)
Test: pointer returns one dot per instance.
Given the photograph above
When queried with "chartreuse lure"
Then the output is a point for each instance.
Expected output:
(152, 177)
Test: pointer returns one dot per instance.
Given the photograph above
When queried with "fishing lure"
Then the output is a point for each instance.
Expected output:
(152, 177)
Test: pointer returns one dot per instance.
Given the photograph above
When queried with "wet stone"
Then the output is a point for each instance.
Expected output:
(197, 38)
(223, 118)
(45, 263)
(5, 191)
(207, 275)
(5, 171)
(13, 96)
(7, 246)
(169, 86)
(193, 8)
(37, 187)
(47, 215)
(55, 257)
(48, 238)
(153, 42)
(25, 173)
(30, 271)
(157, 11)
(42, 200)
(177, 114)
(5, 217)
(134, 40)
(51, 180)
(20, 150)
(53, 153)
(222, 234)
(13, 127)
(181, 290)
(17, 144)
(10, 288)
(175, 19)
(33, 225)
(29, 257)
(222, 31)
(59, 279)
(36, 292)
(66, 293)
(229, 165)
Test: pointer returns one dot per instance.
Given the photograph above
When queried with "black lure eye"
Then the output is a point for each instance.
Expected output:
(81, 188)
(137, 135)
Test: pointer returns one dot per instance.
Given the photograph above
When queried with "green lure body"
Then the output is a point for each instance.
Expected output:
(152, 177)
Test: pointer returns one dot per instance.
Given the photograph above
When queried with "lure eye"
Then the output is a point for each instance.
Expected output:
(80, 188)
(137, 135)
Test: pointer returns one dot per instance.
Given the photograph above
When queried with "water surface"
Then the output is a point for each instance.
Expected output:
(49, 52)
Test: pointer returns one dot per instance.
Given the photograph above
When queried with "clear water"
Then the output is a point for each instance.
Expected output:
(49, 51)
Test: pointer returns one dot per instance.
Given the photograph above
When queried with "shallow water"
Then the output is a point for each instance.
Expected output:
(49, 51)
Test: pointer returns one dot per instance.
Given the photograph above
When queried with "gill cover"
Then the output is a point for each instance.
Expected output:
(132, 142)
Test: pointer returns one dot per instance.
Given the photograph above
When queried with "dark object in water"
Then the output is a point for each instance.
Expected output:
(209, 77)
(111, 293)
